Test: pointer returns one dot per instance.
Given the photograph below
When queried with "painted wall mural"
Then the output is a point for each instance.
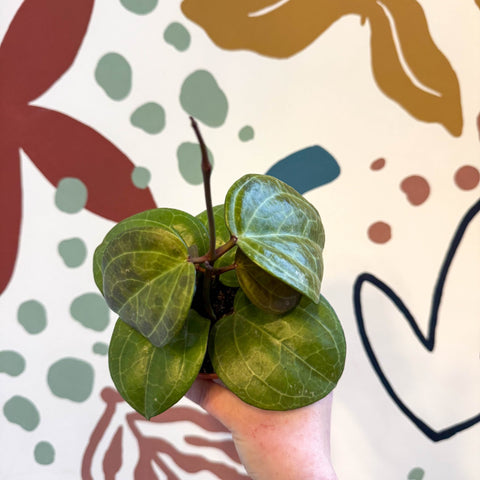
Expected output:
(368, 108)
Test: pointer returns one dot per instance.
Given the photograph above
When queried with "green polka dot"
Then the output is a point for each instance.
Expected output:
(11, 363)
(91, 310)
(71, 378)
(114, 74)
(100, 348)
(202, 98)
(44, 453)
(32, 316)
(22, 411)
(246, 133)
(416, 474)
(189, 162)
(177, 36)
(150, 117)
(71, 195)
(141, 7)
(73, 252)
(141, 177)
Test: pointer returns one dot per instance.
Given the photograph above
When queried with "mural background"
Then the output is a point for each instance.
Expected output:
(371, 109)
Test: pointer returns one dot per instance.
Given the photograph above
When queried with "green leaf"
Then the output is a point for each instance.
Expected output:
(190, 229)
(152, 379)
(222, 236)
(278, 230)
(279, 362)
(264, 290)
(148, 281)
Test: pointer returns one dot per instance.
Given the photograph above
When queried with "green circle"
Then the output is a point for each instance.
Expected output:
(71, 195)
(11, 363)
(100, 348)
(32, 316)
(114, 74)
(73, 252)
(140, 7)
(246, 133)
(150, 117)
(91, 310)
(189, 162)
(44, 453)
(71, 378)
(141, 177)
(23, 412)
(201, 97)
(177, 36)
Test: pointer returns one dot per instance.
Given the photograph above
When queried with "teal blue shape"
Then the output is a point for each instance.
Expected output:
(71, 195)
(23, 412)
(73, 252)
(306, 169)
(91, 310)
(44, 453)
(11, 363)
(246, 133)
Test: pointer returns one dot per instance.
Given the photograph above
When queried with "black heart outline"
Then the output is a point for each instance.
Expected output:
(428, 341)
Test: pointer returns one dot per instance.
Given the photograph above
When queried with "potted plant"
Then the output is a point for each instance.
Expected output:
(233, 292)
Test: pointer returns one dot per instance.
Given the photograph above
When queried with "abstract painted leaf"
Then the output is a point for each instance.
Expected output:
(278, 230)
(190, 229)
(279, 363)
(63, 147)
(222, 235)
(262, 25)
(262, 289)
(429, 89)
(152, 379)
(148, 281)
(40, 45)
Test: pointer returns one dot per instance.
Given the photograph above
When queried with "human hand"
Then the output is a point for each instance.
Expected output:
(272, 445)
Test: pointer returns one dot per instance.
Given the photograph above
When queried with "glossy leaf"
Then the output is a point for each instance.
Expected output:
(264, 290)
(190, 229)
(222, 236)
(279, 362)
(148, 281)
(279, 230)
(153, 379)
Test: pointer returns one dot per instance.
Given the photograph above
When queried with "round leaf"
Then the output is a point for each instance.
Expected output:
(222, 236)
(190, 229)
(152, 379)
(278, 230)
(148, 281)
(279, 362)
(264, 290)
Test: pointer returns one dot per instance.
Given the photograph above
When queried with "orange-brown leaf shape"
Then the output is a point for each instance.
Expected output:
(407, 65)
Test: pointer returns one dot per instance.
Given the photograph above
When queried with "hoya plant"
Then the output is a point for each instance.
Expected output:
(233, 292)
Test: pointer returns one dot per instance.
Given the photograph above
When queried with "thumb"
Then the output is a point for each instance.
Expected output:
(217, 400)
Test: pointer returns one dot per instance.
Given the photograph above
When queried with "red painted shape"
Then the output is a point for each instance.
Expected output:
(63, 147)
(11, 209)
(113, 459)
(40, 45)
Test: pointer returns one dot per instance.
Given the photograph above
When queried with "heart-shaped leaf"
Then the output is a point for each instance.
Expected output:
(279, 362)
(222, 236)
(190, 229)
(153, 379)
(264, 290)
(278, 230)
(148, 281)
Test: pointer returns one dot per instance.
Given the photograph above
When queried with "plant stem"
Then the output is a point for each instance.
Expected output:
(206, 172)
(210, 260)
